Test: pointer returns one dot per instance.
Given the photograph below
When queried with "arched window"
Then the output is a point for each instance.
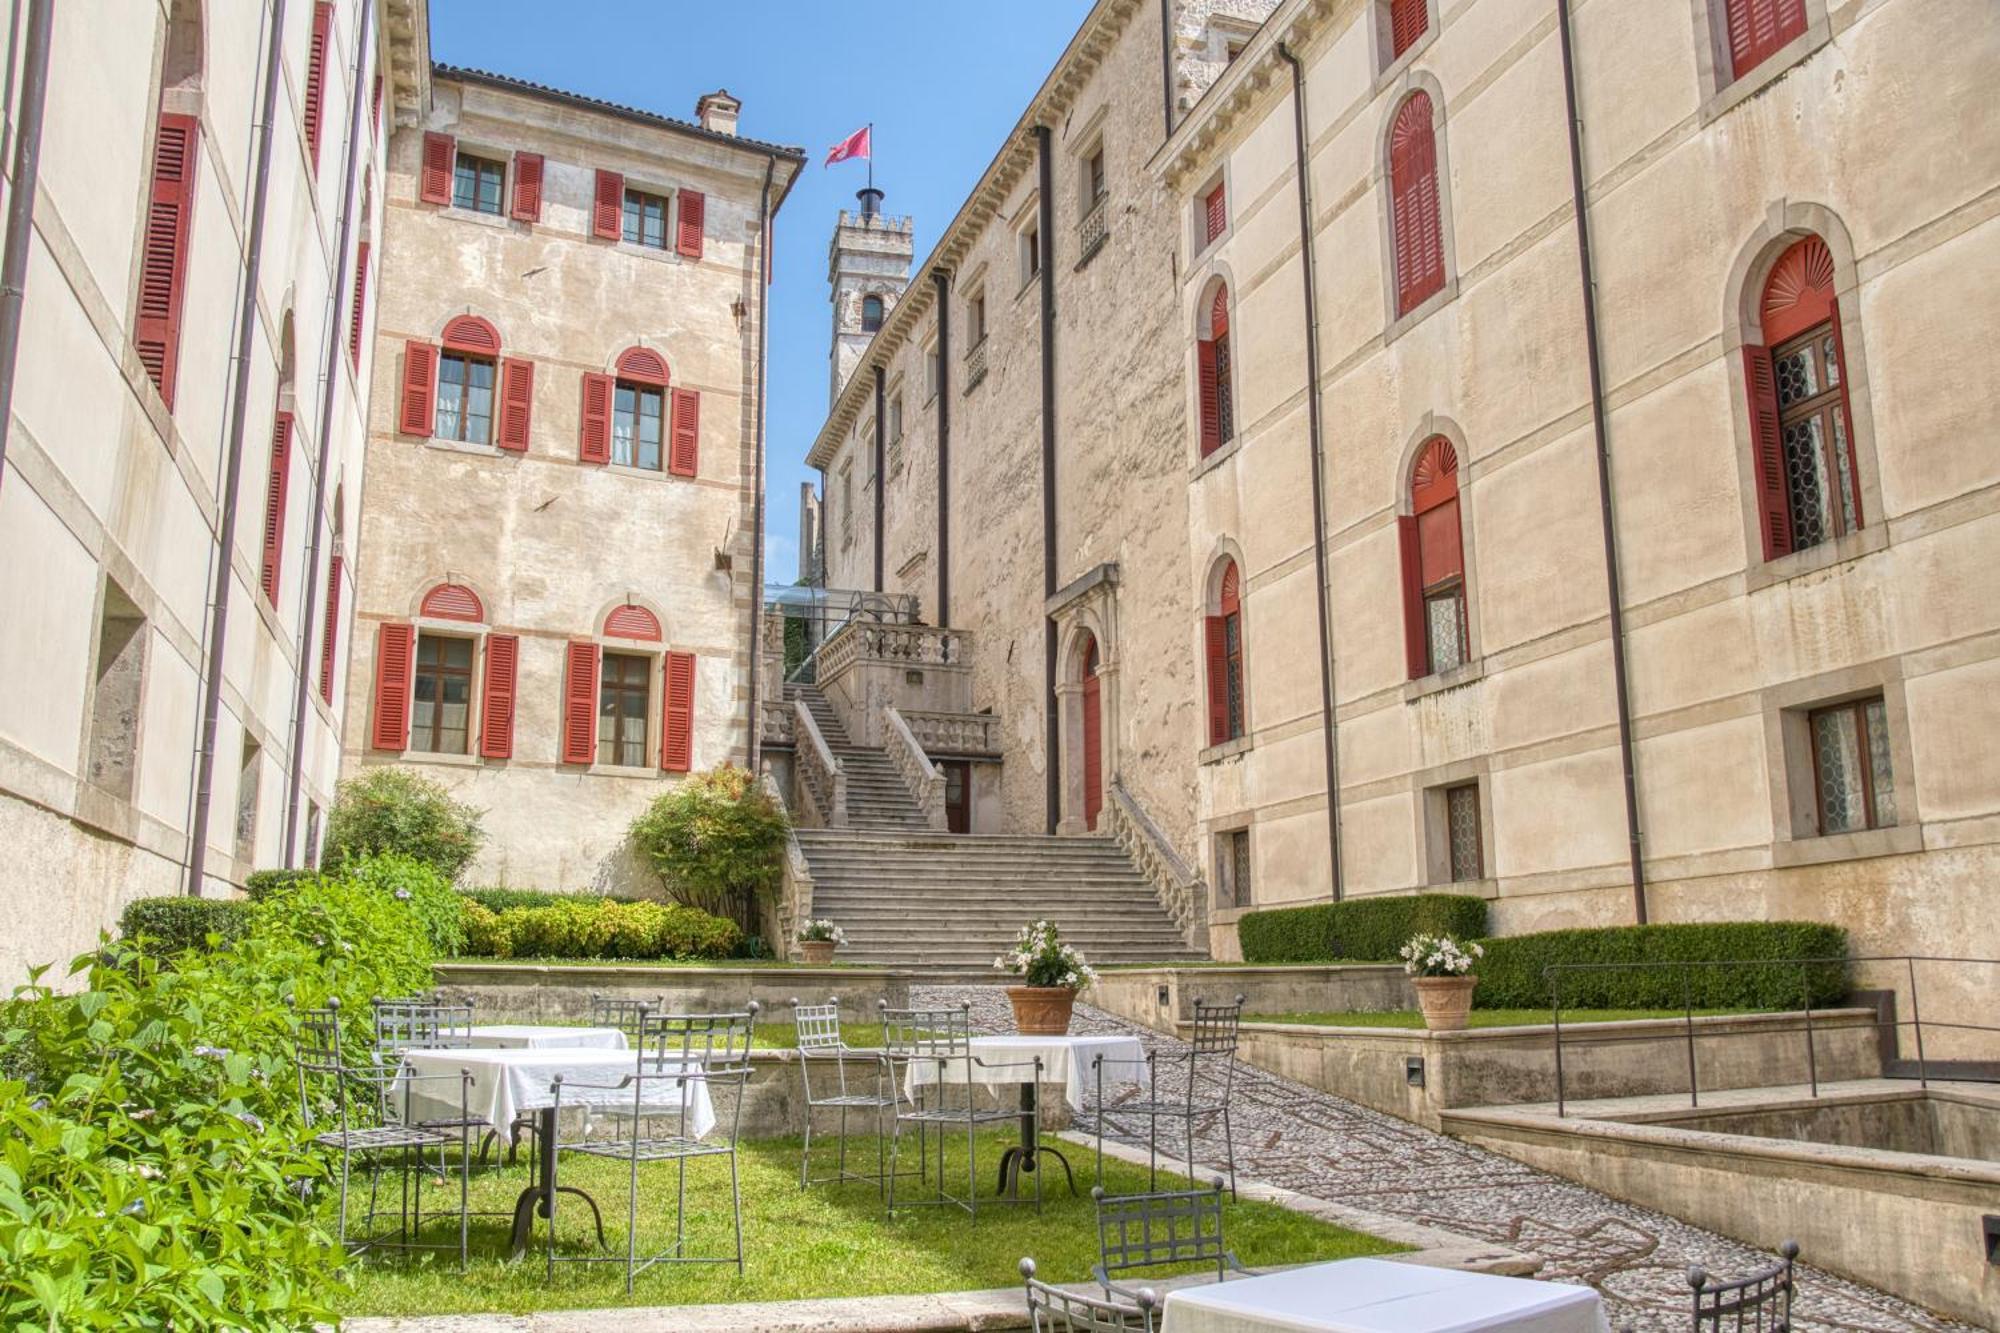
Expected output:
(1218, 408)
(632, 418)
(871, 313)
(1808, 487)
(1433, 552)
(450, 390)
(1415, 219)
(278, 485)
(1224, 635)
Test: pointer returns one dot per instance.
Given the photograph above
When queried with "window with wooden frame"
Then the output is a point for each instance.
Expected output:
(1416, 221)
(314, 112)
(1212, 219)
(633, 418)
(1092, 193)
(1214, 379)
(1031, 252)
(1802, 427)
(1232, 869)
(975, 320)
(1435, 636)
(1223, 640)
(895, 424)
(624, 694)
(1758, 29)
(871, 313)
(1406, 22)
(1464, 856)
(164, 259)
(933, 370)
(276, 493)
(441, 694)
(463, 390)
(478, 183)
(847, 503)
(645, 219)
(1853, 779)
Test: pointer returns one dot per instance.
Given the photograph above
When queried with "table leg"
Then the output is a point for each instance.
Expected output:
(534, 1200)
(1027, 1155)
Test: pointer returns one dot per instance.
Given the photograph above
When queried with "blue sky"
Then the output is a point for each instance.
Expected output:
(941, 80)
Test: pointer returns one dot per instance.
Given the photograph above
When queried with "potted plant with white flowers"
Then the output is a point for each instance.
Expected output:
(818, 939)
(1441, 969)
(1050, 972)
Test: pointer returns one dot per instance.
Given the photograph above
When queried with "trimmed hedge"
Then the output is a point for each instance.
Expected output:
(1358, 930)
(165, 926)
(577, 927)
(499, 900)
(265, 883)
(1767, 974)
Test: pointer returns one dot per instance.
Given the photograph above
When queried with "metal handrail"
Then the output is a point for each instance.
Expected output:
(1554, 972)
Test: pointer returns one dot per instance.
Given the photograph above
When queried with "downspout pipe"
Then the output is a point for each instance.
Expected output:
(881, 480)
(1167, 65)
(21, 205)
(232, 484)
(1046, 222)
(1309, 272)
(762, 278)
(941, 281)
(301, 696)
(1580, 204)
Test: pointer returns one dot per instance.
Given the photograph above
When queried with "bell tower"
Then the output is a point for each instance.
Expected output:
(867, 268)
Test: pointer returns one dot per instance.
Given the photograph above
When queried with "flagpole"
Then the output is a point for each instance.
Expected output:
(871, 154)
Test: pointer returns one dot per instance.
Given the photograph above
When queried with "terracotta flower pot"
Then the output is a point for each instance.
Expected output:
(818, 953)
(1446, 1001)
(1041, 1011)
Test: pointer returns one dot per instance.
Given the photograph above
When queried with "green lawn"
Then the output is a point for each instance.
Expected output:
(1481, 1018)
(833, 1241)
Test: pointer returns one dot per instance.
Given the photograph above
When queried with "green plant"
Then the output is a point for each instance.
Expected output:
(571, 926)
(165, 926)
(1439, 956)
(430, 895)
(1040, 958)
(264, 883)
(716, 839)
(1358, 929)
(396, 810)
(1765, 966)
(485, 937)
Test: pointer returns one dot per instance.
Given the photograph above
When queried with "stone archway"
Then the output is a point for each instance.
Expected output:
(1087, 697)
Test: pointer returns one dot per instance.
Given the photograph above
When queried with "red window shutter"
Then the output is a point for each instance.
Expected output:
(440, 161)
(395, 647)
(1416, 221)
(330, 634)
(315, 107)
(1211, 400)
(607, 215)
(517, 401)
(1767, 444)
(1218, 680)
(677, 722)
(1416, 649)
(360, 305)
(1217, 206)
(580, 705)
(1758, 29)
(496, 708)
(376, 110)
(419, 400)
(687, 239)
(163, 268)
(1408, 20)
(684, 459)
(594, 439)
(527, 187)
(274, 506)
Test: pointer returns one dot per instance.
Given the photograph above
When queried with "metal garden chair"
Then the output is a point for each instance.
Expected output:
(1758, 1303)
(680, 1053)
(934, 1075)
(1208, 1071)
(820, 1043)
(1053, 1310)
(426, 1023)
(1136, 1232)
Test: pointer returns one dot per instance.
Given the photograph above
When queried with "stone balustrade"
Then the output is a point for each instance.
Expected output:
(975, 365)
(1092, 230)
(795, 887)
(954, 733)
(1180, 889)
(919, 774)
(777, 726)
(821, 782)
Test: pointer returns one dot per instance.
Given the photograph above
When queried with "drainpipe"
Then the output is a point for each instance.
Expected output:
(21, 206)
(232, 484)
(301, 699)
(1579, 203)
(757, 469)
(1167, 64)
(1308, 269)
(1046, 222)
(941, 280)
(881, 479)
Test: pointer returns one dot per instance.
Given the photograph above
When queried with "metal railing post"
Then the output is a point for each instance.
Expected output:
(1687, 999)
(1554, 975)
(1812, 1056)
(1917, 1021)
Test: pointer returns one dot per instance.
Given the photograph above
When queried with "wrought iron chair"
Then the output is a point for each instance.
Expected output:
(629, 1017)
(682, 1055)
(1758, 1303)
(365, 1112)
(1142, 1231)
(1208, 1068)
(934, 1075)
(820, 1042)
(1053, 1310)
(427, 1023)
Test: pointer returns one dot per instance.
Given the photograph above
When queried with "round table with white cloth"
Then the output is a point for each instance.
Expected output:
(1066, 1059)
(1381, 1296)
(509, 1080)
(535, 1035)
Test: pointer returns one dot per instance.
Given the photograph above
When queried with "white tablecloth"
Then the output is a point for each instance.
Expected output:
(1377, 1296)
(1065, 1060)
(545, 1034)
(508, 1080)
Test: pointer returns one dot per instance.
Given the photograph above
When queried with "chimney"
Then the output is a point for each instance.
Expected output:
(717, 112)
(871, 202)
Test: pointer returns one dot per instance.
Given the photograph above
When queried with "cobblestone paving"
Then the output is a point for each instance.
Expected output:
(1321, 1145)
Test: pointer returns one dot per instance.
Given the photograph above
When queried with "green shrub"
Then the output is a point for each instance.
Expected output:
(1765, 971)
(1358, 929)
(264, 883)
(499, 900)
(428, 893)
(571, 926)
(396, 810)
(485, 937)
(717, 840)
(165, 926)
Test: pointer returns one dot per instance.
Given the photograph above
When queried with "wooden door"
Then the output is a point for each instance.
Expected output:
(1093, 740)
(957, 795)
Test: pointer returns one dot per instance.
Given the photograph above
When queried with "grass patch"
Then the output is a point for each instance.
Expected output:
(831, 1242)
(689, 964)
(1481, 1018)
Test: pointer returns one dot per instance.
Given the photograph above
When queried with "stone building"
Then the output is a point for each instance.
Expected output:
(182, 467)
(555, 606)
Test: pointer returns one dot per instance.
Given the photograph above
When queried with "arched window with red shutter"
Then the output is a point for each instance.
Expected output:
(1416, 219)
(1223, 645)
(463, 390)
(1216, 409)
(1435, 633)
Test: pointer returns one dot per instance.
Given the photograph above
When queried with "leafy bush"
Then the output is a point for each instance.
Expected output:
(1358, 929)
(428, 893)
(264, 883)
(1767, 973)
(716, 839)
(577, 927)
(165, 926)
(499, 900)
(396, 810)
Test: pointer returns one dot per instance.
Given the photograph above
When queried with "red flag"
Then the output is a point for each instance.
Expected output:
(854, 145)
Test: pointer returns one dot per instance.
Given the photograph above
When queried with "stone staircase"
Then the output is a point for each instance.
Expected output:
(877, 796)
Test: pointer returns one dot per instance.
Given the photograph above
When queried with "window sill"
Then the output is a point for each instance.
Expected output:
(1852, 546)
(1819, 849)
(1028, 284)
(664, 254)
(1222, 454)
(1429, 306)
(1485, 887)
(1439, 681)
(478, 218)
(639, 473)
(1392, 72)
(467, 447)
(1780, 63)
(621, 771)
(441, 758)
(1228, 749)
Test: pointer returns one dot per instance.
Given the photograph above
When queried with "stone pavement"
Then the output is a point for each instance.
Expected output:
(1320, 1145)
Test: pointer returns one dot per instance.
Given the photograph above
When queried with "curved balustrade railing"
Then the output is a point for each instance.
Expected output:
(954, 733)
(795, 887)
(920, 775)
(822, 782)
(1180, 890)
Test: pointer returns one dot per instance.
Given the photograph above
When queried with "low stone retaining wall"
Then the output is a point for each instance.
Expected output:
(558, 993)
(1509, 1066)
(1160, 997)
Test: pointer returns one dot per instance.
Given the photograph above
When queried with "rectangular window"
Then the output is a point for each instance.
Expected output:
(1232, 670)
(1819, 461)
(1758, 29)
(1031, 254)
(248, 775)
(1215, 215)
(847, 504)
(645, 219)
(464, 399)
(636, 417)
(441, 694)
(975, 320)
(896, 419)
(624, 688)
(933, 372)
(1444, 626)
(1854, 786)
(477, 184)
(114, 700)
(1093, 178)
(1462, 833)
(1232, 869)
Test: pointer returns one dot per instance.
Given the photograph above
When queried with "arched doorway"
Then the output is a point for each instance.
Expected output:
(1093, 735)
